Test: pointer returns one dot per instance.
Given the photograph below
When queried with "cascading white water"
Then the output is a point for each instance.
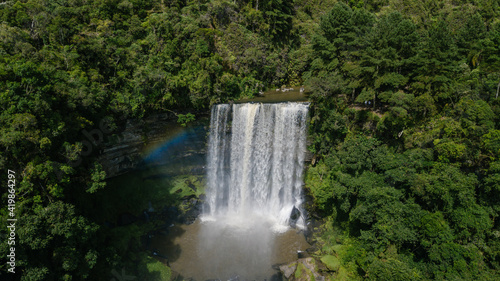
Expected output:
(254, 178)
(255, 161)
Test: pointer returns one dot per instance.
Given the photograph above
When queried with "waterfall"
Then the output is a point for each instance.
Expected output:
(255, 161)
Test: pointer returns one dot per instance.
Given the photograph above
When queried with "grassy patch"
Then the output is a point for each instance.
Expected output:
(332, 262)
(155, 270)
(303, 273)
(187, 185)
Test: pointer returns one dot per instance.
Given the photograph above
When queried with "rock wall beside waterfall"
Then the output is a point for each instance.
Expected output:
(124, 150)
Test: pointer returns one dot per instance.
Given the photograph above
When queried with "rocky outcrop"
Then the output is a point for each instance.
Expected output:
(306, 269)
(294, 217)
(327, 267)
(122, 151)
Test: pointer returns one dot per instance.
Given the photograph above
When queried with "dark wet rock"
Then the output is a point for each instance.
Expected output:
(294, 216)
(312, 226)
(188, 198)
(309, 205)
(156, 253)
(192, 208)
(302, 254)
(121, 150)
(200, 170)
(312, 249)
(193, 202)
(288, 269)
(277, 277)
(199, 208)
(190, 185)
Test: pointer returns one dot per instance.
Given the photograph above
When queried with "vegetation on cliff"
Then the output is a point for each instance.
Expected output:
(406, 129)
(404, 120)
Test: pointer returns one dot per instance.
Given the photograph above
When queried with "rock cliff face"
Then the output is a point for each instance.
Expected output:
(125, 150)
(306, 269)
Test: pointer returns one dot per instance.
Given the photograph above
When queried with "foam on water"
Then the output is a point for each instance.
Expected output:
(256, 160)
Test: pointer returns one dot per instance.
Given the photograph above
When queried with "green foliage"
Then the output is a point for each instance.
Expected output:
(455, 261)
(319, 185)
(435, 229)
(491, 143)
(418, 211)
(392, 269)
(184, 119)
(97, 179)
(411, 178)
(57, 233)
(157, 271)
(331, 262)
(303, 272)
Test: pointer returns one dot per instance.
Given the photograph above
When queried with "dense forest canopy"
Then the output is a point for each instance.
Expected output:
(405, 122)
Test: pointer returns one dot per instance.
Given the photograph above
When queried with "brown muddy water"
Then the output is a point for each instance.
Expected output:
(212, 250)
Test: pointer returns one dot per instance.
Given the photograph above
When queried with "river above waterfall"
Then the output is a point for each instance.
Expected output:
(273, 96)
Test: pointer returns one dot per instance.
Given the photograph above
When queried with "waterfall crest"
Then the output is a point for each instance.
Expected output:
(256, 161)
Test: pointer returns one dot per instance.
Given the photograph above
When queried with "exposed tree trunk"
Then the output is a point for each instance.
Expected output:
(46, 193)
(257, 5)
(353, 92)
(498, 90)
